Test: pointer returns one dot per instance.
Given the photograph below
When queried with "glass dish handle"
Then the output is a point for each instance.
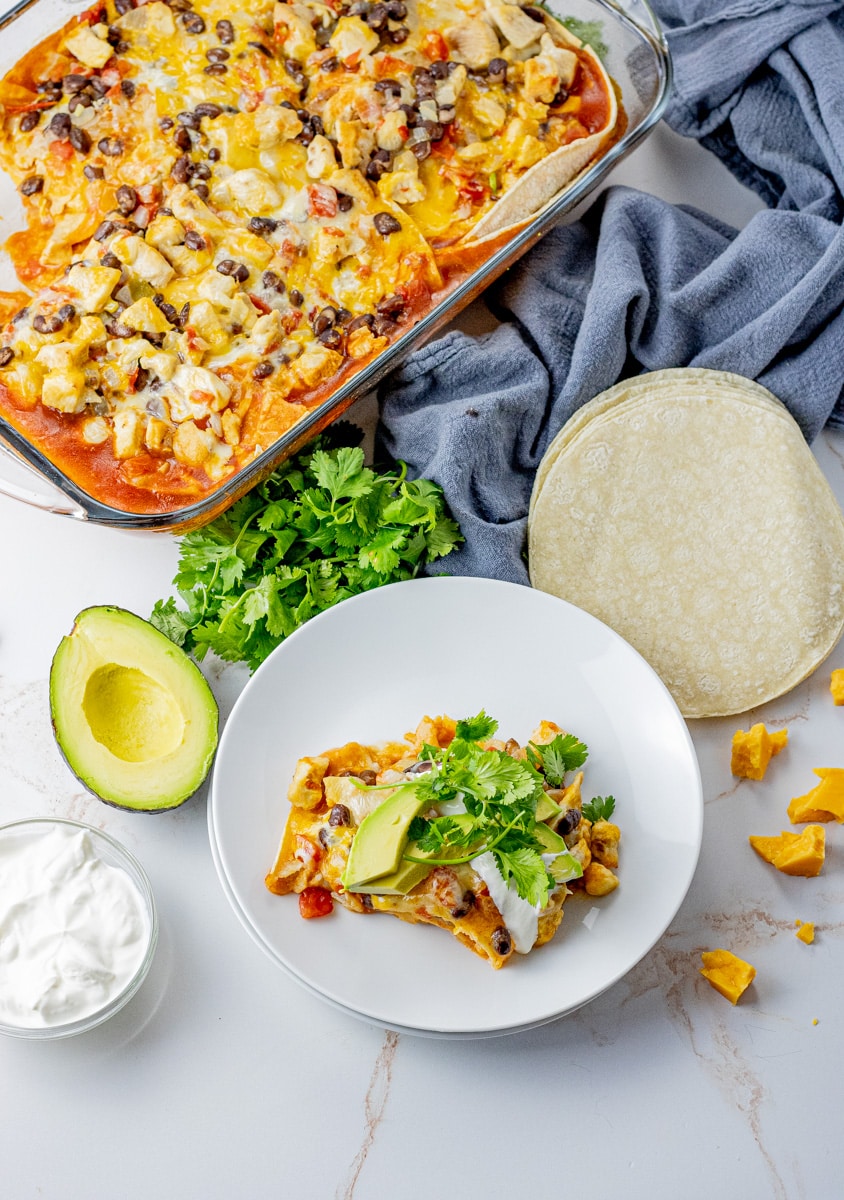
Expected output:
(20, 481)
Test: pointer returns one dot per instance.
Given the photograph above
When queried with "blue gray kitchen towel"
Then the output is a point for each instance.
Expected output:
(639, 284)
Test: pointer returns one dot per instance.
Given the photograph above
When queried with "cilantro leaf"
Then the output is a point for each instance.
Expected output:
(321, 528)
(554, 759)
(599, 809)
(476, 729)
(527, 870)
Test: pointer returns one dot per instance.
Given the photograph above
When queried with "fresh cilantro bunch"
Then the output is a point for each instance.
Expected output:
(500, 795)
(320, 529)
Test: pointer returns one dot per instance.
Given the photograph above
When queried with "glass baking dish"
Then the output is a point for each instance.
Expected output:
(637, 60)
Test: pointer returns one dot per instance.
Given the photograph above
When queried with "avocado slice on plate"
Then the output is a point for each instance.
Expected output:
(132, 714)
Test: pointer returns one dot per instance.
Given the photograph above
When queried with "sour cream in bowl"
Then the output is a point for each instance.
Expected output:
(78, 927)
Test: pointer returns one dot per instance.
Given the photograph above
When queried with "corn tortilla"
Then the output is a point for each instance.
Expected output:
(685, 510)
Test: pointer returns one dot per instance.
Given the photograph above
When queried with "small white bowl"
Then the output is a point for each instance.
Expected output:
(113, 854)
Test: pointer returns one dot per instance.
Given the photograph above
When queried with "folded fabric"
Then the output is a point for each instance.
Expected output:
(639, 284)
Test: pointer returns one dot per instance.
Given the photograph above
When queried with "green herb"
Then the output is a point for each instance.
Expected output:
(554, 759)
(599, 809)
(590, 32)
(493, 182)
(320, 529)
(500, 795)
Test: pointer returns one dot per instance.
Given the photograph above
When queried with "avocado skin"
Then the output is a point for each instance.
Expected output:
(162, 782)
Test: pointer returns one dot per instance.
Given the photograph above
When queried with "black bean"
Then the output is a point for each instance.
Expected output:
(227, 266)
(324, 319)
(535, 14)
(262, 224)
(216, 69)
(464, 906)
(127, 87)
(263, 370)
(439, 70)
(396, 10)
(272, 283)
(122, 6)
(366, 901)
(110, 146)
(339, 815)
(111, 260)
(201, 171)
(497, 69)
(241, 273)
(182, 138)
(386, 223)
(67, 312)
(97, 86)
(31, 185)
(307, 133)
(382, 326)
(117, 329)
(366, 319)
(398, 35)
(370, 778)
(213, 154)
(194, 240)
(378, 165)
(433, 129)
(225, 32)
(201, 190)
(332, 338)
(413, 118)
(259, 46)
(182, 169)
(501, 942)
(324, 837)
(183, 315)
(81, 100)
(20, 315)
(74, 83)
(421, 150)
(296, 298)
(388, 85)
(121, 48)
(420, 768)
(105, 230)
(344, 202)
(60, 126)
(93, 172)
(568, 822)
(193, 22)
(217, 54)
(329, 64)
(80, 139)
(343, 315)
(207, 109)
(29, 120)
(446, 115)
(166, 123)
(48, 85)
(6, 355)
(190, 119)
(377, 17)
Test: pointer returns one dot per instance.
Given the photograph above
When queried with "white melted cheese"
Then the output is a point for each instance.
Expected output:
(521, 918)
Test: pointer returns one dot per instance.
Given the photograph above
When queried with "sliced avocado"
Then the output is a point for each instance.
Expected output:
(379, 842)
(549, 839)
(565, 867)
(399, 883)
(132, 714)
(546, 808)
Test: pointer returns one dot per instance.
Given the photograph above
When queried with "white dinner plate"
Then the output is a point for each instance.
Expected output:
(368, 670)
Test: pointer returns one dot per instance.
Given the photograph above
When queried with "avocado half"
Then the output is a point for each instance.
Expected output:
(132, 714)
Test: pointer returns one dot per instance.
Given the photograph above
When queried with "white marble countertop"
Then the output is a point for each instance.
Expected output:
(222, 1078)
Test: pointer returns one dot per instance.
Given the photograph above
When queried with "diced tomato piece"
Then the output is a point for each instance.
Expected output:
(315, 902)
(61, 150)
(322, 200)
(434, 47)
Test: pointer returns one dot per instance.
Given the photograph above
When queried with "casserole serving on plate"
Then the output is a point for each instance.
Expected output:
(235, 221)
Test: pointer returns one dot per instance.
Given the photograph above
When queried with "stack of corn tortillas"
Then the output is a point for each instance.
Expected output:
(684, 509)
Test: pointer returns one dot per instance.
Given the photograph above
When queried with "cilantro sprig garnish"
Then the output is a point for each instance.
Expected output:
(500, 794)
(320, 529)
(554, 759)
(601, 808)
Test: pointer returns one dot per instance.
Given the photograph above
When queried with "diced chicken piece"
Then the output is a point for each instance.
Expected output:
(154, 19)
(473, 42)
(321, 161)
(305, 790)
(144, 262)
(145, 316)
(95, 431)
(206, 323)
(274, 124)
(195, 392)
(489, 113)
(63, 390)
(293, 21)
(449, 89)
(89, 332)
(332, 245)
(516, 27)
(564, 60)
(230, 423)
(159, 436)
(392, 132)
(128, 433)
(59, 356)
(350, 136)
(89, 49)
(251, 189)
(192, 445)
(192, 211)
(318, 362)
(352, 36)
(92, 286)
(164, 232)
(266, 332)
(160, 363)
(362, 342)
(605, 837)
(402, 185)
